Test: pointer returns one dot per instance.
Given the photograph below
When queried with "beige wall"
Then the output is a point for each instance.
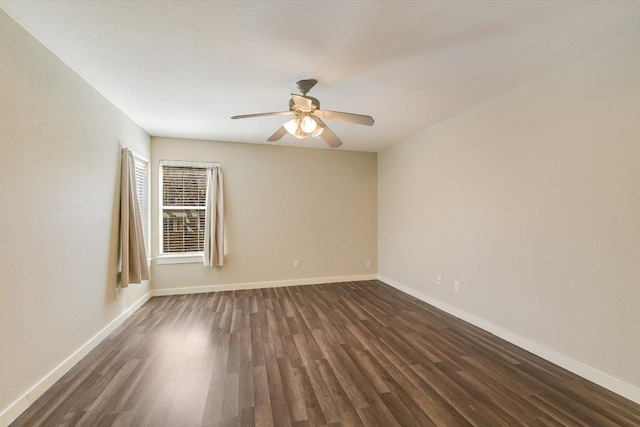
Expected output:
(59, 177)
(282, 204)
(532, 202)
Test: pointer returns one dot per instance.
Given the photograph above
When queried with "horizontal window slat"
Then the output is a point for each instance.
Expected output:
(184, 186)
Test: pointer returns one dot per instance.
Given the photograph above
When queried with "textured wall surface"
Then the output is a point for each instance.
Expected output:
(532, 202)
(282, 204)
(59, 188)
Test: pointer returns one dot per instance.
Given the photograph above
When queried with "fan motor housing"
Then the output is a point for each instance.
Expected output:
(315, 105)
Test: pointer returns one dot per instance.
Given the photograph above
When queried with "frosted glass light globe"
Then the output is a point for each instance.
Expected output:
(308, 125)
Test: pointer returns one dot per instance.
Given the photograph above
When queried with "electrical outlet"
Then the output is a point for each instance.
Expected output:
(439, 280)
(296, 264)
(456, 286)
(369, 264)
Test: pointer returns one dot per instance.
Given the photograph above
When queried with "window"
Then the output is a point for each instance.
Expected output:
(183, 196)
(142, 187)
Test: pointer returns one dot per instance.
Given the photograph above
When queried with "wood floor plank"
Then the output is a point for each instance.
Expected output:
(339, 354)
(343, 404)
(263, 416)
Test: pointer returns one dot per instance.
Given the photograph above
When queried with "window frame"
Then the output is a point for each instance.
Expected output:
(176, 257)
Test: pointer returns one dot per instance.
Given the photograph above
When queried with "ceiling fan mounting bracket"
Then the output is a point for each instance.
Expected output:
(315, 104)
(306, 85)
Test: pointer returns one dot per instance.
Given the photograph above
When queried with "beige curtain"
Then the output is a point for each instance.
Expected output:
(214, 219)
(134, 254)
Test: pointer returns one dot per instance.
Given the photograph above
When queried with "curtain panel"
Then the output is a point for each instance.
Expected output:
(133, 251)
(214, 219)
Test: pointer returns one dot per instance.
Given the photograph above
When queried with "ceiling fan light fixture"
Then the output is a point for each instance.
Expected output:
(308, 124)
(292, 126)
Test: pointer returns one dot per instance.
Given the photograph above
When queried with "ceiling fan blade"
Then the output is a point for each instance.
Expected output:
(302, 102)
(328, 135)
(358, 119)
(278, 134)
(277, 113)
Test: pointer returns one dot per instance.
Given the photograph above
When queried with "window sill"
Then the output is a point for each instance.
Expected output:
(179, 258)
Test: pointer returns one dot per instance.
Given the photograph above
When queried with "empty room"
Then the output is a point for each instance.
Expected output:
(319, 213)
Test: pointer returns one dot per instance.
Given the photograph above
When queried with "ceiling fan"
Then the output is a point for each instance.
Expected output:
(308, 117)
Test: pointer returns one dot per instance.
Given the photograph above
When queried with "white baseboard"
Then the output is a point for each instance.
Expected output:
(607, 381)
(259, 285)
(585, 371)
(454, 311)
(13, 411)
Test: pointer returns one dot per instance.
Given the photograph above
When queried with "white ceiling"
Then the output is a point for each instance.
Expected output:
(182, 69)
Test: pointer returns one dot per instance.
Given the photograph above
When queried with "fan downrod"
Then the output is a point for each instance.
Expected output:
(306, 85)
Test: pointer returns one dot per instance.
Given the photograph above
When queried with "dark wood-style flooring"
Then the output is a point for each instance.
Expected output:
(358, 353)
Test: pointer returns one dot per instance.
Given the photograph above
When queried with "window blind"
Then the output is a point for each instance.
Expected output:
(184, 193)
(142, 187)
